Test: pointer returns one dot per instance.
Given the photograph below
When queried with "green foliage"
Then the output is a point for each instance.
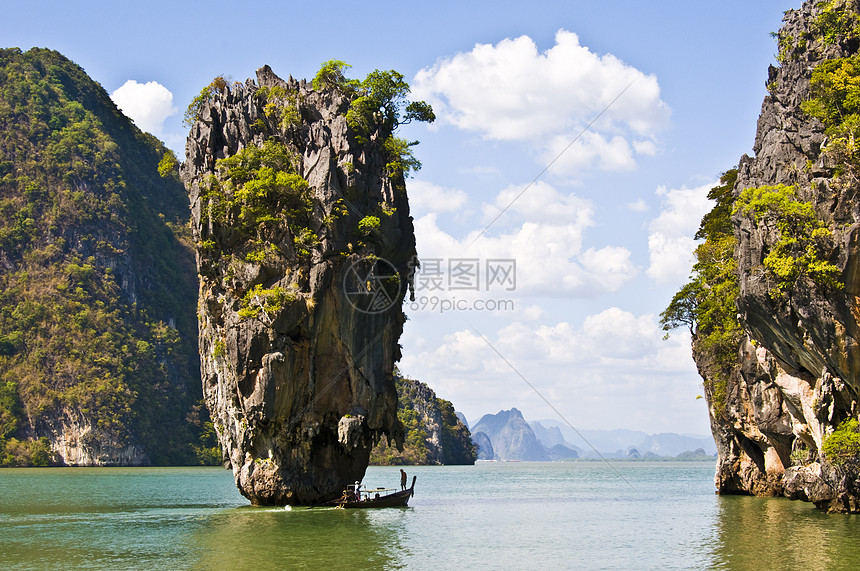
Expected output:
(220, 349)
(835, 101)
(258, 187)
(400, 156)
(368, 225)
(265, 304)
(379, 102)
(282, 106)
(168, 164)
(331, 75)
(256, 256)
(706, 305)
(194, 110)
(836, 19)
(95, 268)
(455, 438)
(208, 451)
(457, 445)
(804, 241)
(10, 411)
(843, 445)
(24, 453)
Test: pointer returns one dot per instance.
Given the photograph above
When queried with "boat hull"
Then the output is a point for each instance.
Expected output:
(395, 500)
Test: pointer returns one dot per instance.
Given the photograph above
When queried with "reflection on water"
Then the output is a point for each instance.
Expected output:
(527, 515)
(756, 533)
(301, 538)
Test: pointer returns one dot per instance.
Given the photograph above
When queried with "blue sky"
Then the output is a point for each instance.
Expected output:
(601, 240)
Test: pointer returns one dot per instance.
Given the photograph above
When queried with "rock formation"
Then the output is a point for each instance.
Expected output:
(511, 436)
(798, 370)
(484, 446)
(304, 250)
(435, 433)
(98, 337)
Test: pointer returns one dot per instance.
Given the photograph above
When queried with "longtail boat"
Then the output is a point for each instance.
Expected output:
(377, 498)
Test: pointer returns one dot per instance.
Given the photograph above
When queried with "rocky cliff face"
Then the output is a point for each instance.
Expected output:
(435, 433)
(511, 436)
(797, 373)
(304, 244)
(97, 331)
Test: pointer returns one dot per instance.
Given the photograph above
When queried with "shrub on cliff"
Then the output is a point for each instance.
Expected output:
(804, 240)
(843, 445)
(379, 100)
(706, 304)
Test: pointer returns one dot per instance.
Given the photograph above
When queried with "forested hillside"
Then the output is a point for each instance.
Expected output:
(434, 434)
(98, 350)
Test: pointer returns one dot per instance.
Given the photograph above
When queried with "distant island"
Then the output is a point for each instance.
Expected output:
(506, 436)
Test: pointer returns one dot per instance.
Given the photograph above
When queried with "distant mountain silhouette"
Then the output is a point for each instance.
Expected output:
(507, 436)
(511, 436)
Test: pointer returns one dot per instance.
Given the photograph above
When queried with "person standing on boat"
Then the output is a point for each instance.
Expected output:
(402, 479)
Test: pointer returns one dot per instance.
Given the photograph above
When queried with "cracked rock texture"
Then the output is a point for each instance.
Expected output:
(798, 369)
(300, 393)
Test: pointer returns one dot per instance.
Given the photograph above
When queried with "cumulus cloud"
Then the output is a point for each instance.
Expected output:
(546, 243)
(670, 239)
(426, 197)
(512, 91)
(594, 371)
(147, 104)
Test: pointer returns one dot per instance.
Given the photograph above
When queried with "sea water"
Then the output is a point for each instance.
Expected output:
(561, 515)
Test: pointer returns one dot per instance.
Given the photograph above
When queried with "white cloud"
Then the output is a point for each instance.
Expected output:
(670, 240)
(426, 197)
(512, 91)
(590, 148)
(147, 104)
(543, 233)
(541, 201)
(638, 206)
(601, 373)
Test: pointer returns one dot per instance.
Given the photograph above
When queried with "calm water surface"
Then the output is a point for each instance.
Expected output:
(577, 515)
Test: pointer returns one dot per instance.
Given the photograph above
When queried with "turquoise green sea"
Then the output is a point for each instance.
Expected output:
(576, 515)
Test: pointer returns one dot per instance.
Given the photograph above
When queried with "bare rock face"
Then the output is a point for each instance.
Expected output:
(304, 249)
(799, 373)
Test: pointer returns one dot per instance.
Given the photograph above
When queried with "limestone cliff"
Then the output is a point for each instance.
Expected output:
(511, 436)
(98, 347)
(796, 221)
(304, 249)
(435, 433)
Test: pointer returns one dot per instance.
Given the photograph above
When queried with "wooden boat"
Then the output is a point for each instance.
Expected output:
(374, 498)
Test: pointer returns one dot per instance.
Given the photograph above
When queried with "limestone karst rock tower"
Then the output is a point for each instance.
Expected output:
(794, 379)
(305, 246)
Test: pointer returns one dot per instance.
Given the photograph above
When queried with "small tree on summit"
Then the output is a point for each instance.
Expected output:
(378, 100)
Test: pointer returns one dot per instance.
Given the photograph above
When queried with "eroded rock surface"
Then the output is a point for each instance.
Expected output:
(300, 291)
(798, 374)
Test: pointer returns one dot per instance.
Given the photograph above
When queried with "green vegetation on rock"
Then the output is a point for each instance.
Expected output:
(835, 101)
(417, 407)
(97, 285)
(804, 241)
(256, 189)
(195, 108)
(260, 302)
(378, 101)
(706, 305)
(843, 445)
(837, 19)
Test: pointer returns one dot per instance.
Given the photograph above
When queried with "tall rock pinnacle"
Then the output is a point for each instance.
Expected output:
(304, 249)
(784, 410)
